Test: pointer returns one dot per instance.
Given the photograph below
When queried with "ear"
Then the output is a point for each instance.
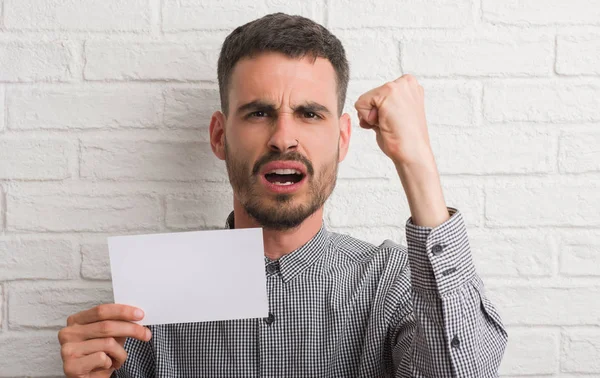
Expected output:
(217, 134)
(345, 132)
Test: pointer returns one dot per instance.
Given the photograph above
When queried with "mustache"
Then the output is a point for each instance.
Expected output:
(278, 156)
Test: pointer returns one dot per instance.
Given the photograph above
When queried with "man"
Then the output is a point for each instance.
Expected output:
(339, 307)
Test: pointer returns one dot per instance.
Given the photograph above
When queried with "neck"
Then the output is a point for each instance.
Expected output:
(278, 243)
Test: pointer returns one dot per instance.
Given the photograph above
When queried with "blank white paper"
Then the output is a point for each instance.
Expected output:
(193, 276)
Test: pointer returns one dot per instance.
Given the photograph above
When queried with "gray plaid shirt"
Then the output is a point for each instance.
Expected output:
(341, 307)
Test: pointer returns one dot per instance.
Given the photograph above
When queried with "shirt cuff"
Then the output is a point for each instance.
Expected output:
(440, 258)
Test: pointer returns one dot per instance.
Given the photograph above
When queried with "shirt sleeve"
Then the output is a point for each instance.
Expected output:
(453, 330)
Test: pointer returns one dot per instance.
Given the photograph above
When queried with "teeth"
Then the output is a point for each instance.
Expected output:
(286, 172)
(283, 183)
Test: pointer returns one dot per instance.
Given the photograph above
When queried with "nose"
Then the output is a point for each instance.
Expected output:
(283, 138)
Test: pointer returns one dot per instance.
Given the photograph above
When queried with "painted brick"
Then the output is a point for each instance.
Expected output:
(535, 152)
(541, 12)
(578, 55)
(33, 159)
(31, 61)
(95, 263)
(364, 158)
(144, 160)
(180, 15)
(48, 304)
(150, 61)
(516, 205)
(478, 57)
(206, 210)
(580, 253)
(190, 107)
(372, 55)
(75, 212)
(84, 108)
(37, 259)
(508, 253)
(542, 102)
(42, 357)
(579, 152)
(531, 352)
(450, 103)
(581, 351)
(531, 305)
(84, 15)
(399, 14)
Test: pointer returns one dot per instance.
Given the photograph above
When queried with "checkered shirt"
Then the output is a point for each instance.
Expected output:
(341, 307)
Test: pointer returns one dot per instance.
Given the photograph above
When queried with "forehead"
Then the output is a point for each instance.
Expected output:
(273, 76)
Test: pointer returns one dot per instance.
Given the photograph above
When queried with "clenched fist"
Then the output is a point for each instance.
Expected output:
(396, 112)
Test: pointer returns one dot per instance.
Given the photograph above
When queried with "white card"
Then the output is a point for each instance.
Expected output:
(191, 276)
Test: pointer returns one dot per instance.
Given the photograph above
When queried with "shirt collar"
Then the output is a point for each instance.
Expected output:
(294, 263)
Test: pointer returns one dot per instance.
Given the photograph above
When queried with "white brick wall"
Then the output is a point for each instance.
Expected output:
(104, 113)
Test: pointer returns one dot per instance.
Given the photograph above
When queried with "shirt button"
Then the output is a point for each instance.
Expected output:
(437, 249)
(269, 320)
(273, 268)
(455, 343)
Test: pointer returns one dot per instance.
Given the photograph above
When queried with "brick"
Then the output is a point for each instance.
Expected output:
(366, 204)
(540, 12)
(399, 14)
(364, 158)
(150, 61)
(207, 210)
(533, 352)
(84, 108)
(48, 304)
(34, 159)
(578, 55)
(446, 103)
(450, 103)
(541, 102)
(30, 61)
(533, 154)
(1, 309)
(82, 15)
(78, 212)
(517, 205)
(478, 57)
(381, 61)
(2, 106)
(37, 259)
(144, 160)
(580, 253)
(30, 354)
(95, 263)
(527, 305)
(507, 253)
(184, 15)
(579, 152)
(580, 351)
(190, 107)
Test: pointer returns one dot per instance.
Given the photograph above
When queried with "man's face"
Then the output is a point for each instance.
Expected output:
(282, 139)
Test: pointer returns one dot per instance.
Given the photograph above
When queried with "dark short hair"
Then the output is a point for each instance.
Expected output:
(293, 36)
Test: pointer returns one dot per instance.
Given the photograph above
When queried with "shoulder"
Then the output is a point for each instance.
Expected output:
(358, 251)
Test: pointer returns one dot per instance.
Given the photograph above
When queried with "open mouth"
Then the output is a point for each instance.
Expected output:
(284, 177)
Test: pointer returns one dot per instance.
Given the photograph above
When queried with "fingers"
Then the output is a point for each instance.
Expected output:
(107, 312)
(84, 365)
(107, 328)
(108, 345)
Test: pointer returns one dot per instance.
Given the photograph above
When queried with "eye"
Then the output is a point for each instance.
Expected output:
(311, 115)
(258, 114)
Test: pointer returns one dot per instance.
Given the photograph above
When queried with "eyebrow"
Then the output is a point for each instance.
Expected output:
(308, 106)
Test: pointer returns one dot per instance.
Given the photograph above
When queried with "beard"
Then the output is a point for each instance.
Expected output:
(281, 213)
